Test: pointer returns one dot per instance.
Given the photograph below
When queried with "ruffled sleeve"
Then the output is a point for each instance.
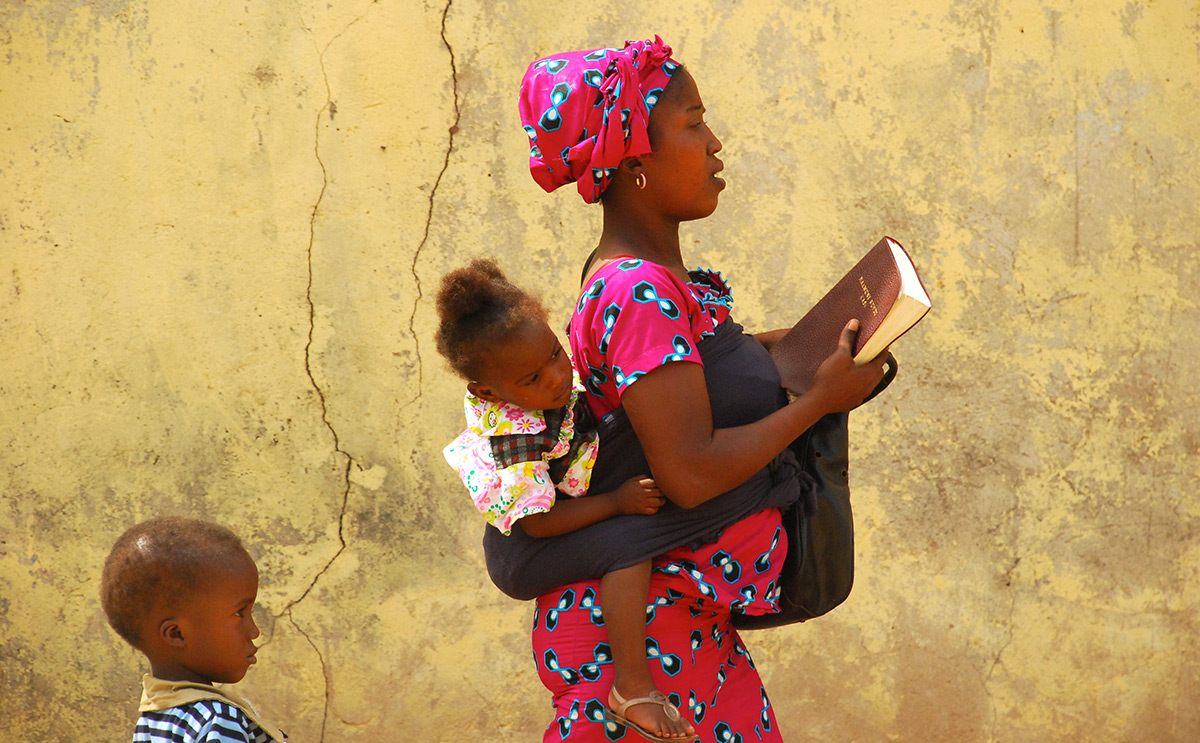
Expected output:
(501, 495)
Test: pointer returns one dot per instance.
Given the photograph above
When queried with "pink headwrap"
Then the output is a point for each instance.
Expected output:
(587, 111)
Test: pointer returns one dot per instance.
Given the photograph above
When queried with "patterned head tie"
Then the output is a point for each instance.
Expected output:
(587, 111)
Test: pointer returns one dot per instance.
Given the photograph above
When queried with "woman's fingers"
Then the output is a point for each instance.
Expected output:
(849, 333)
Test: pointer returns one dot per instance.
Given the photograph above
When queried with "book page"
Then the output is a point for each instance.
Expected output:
(910, 285)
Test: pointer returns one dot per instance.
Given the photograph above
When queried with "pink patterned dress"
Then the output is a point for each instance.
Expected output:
(633, 317)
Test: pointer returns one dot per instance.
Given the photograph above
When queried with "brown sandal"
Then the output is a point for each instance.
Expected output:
(617, 706)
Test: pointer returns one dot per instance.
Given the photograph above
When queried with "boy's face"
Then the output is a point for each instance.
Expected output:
(216, 624)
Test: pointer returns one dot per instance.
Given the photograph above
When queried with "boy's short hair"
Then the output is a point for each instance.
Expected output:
(158, 562)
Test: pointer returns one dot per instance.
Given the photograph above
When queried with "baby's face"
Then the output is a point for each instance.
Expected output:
(217, 626)
(531, 369)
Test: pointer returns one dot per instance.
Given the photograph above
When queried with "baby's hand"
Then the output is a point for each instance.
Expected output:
(638, 495)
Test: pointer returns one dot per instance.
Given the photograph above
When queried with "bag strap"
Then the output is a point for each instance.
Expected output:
(890, 367)
(589, 270)
(587, 264)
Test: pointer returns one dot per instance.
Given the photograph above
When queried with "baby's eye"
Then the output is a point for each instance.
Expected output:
(533, 379)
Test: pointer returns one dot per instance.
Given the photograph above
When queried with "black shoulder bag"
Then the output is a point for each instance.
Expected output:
(818, 571)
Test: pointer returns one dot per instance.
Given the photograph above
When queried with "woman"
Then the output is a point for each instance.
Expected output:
(654, 344)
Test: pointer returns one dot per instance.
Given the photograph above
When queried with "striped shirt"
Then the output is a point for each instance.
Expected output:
(206, 721)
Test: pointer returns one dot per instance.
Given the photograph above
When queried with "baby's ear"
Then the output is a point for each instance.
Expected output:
(170, 633)
(482, 391)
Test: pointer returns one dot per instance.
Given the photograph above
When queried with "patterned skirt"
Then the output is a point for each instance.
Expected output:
(695, 655)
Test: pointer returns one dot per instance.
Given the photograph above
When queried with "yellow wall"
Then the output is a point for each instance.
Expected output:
(221, 225)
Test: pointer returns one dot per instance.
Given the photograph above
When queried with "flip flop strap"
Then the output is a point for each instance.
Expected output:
(656, 697)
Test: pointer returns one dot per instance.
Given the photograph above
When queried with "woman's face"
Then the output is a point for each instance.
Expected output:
(681, 170)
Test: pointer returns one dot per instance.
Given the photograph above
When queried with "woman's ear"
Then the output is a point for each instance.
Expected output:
(482, 391)
(631, 166)
(171, 633)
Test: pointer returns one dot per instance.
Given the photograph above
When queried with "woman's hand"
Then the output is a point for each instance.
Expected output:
(638, 495)
(840, 384)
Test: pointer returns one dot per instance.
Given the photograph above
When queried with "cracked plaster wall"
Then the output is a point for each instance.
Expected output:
(221, 225)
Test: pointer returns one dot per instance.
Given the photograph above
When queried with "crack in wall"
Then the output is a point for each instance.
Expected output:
(1078, 185)
(331, 107)
(412, 319)
(1008, 640)
(324, 670)
(1012, 610)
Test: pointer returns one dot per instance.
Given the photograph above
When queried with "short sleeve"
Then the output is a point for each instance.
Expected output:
(634, 317)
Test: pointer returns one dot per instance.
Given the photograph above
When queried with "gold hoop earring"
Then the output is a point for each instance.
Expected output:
(640, 181)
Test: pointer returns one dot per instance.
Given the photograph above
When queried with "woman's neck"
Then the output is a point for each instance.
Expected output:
(651, 240)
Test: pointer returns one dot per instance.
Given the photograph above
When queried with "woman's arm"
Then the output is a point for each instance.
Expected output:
(770, 337)
(635, 495)
(693, 462)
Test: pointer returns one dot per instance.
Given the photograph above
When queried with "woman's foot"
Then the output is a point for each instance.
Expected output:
(650, 715)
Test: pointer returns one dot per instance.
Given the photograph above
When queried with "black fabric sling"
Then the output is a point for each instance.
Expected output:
(818, 572)
(743, 386)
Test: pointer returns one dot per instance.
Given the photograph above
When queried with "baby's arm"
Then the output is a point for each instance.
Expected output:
(635, 495)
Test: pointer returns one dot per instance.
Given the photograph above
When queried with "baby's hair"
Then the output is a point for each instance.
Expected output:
(158, 562)
(477, 308)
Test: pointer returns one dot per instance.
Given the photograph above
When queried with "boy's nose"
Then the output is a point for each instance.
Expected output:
(253, 633)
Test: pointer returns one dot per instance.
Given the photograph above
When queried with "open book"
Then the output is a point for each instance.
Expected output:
(883, 291)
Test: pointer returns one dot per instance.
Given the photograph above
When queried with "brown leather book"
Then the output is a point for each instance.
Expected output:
(883, 291)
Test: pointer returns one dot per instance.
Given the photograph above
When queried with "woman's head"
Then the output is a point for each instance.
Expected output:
(495, 336)
(585, 112)
(678, 177)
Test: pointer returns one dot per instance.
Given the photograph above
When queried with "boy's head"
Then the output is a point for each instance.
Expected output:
(181, 591)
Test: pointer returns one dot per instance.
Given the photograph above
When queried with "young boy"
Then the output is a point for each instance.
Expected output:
(180, 591)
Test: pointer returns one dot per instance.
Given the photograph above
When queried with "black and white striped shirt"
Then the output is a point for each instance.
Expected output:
(206, 721)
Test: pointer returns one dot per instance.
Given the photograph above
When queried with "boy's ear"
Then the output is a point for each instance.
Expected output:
(170, 633)
(482, 391)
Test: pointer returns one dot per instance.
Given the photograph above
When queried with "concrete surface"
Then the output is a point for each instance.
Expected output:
(221, 225)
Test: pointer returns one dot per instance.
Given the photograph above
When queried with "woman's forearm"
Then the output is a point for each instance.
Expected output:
(693, 462)
(770, 337)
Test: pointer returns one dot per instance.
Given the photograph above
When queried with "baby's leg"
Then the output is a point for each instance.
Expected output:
(624, 594)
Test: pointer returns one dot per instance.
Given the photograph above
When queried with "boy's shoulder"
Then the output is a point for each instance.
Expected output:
(202, 721)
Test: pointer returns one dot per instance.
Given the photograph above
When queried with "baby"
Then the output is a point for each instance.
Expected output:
(180, 591)
(530, 440)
